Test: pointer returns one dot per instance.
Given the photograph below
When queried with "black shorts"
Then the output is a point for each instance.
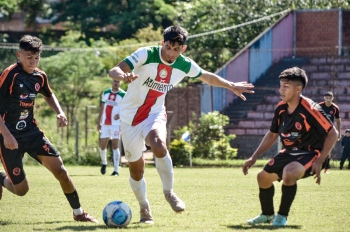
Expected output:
(277, 163)
(34, 145)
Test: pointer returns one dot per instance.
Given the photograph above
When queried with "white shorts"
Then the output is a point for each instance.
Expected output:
(110, 131)
(134, 136)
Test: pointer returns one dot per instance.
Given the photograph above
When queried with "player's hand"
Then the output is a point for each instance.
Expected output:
(10, 142)
(99, 127)
(62, 120)
(316, 169)
(129, 77)
(242, 87)
(250, 162)
(116, 117)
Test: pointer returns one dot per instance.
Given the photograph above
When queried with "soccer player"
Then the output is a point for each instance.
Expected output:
(151, 72)
(333, 112)
(307, 136)
(20, 83)
(109, 124)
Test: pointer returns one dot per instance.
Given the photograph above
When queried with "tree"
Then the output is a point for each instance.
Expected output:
(124, 17)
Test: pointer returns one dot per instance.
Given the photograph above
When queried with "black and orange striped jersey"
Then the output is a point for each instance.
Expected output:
(303, 130)
(331, 111)
(18, 90)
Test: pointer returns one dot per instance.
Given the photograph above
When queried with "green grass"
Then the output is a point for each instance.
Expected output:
(217, 199)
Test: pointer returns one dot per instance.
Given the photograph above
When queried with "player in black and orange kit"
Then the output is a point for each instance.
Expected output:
(19, 85)
(333, 112)
(307, 136)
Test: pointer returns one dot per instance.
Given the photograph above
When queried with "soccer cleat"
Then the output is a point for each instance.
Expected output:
(103, 169)
(146, 216)
(175, 202)
(85, 217)
(114, 173)
(280, 221)
(326, 171)
(261, 219)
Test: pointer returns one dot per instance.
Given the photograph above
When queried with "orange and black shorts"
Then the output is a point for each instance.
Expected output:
(34, 145)
(277, 163)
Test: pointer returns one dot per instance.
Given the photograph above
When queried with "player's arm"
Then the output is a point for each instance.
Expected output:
(55, 106)
(121, 72)
(100, 116)
(338, 120)
(268, 140)
(9, 141)
(328, 144)
(237, 87)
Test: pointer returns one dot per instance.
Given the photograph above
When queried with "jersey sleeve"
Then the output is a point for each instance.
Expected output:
(319, 119)
(45, 89)
(195, 70)
(137, 59)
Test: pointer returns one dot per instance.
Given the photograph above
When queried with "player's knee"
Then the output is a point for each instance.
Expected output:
(21, 192)
(62, 175)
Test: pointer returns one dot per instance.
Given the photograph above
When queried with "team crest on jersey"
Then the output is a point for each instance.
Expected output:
(298, 126)
(16, 171)
(331, 112)
(163, 73)
(37, 86)
(112, 97)
(272, 161)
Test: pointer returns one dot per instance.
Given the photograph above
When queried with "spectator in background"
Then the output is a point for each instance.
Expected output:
(345, 142)
(332, 111)
(109, 125)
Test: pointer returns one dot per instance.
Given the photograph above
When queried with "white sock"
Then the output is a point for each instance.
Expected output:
(78, 211)
(116, 159)
(140, 191)
(165, 171)
(103, 154)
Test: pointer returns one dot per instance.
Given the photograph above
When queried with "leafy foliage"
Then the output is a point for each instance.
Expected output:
(207, 139)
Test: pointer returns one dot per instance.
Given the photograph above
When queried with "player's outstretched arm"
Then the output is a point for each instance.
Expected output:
(268, 140)
(237, 87)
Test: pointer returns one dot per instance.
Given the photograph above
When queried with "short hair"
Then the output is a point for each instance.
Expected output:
(295, 74)
(31, 43)
(329, 93)
(175, 34)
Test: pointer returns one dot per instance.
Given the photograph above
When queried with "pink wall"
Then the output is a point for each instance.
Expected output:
(282, 38)
(237, 70)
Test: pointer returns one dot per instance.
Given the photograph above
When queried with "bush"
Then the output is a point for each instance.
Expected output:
(180, 152)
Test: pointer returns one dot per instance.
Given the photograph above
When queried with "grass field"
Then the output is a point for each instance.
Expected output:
(217, 199)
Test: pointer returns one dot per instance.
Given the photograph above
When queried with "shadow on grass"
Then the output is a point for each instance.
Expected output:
(262, 227)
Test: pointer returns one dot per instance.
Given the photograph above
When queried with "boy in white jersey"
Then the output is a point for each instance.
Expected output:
(109, 124)
(151, 72)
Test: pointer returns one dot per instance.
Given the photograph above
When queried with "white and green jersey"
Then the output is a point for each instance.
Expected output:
(146, 94)
(111, 101)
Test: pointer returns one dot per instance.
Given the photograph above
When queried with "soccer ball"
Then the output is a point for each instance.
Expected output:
(117, 214)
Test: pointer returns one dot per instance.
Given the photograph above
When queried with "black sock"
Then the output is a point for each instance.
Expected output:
(288, 194)
(266, 200)
(73, 199)
(2, 178)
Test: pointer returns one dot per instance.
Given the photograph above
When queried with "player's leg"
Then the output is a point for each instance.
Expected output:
(44, 152)
(291, 173)
(115, 149)
(266, 193)
(133, 145)
(14, 179)
(104, 139)
(342, 159)
(156, 139)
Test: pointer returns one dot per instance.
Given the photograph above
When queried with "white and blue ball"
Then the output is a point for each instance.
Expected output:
(117, 214)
